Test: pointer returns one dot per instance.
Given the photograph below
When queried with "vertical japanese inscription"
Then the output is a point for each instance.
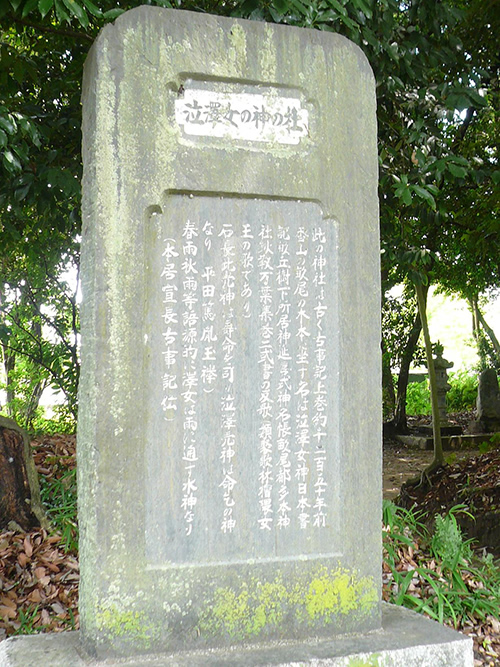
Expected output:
(246, 419)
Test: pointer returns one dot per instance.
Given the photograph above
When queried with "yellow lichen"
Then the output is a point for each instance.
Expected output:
(127, 625)
(332, 593)
(329, 594)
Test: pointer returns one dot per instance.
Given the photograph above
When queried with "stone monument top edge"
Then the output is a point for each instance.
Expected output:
(165, 67)
(164, 17)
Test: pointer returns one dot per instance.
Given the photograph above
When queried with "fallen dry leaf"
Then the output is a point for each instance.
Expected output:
(28, 547)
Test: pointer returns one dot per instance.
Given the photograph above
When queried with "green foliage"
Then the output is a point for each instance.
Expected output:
(418, 399)
(27, 618)
(488, 358)
(398, 315)
(26, 382)
(402, 527)
(59, 496)
(462, 394)
(447, 542)
(448, 583)
(437, 106)
(62, 420)
(39, 335)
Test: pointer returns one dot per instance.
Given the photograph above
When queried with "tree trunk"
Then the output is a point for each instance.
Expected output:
(489, 331)
(389, 398)
(9, 363)
(33, 403)
(475, 320)
(436, 425)
(37, 389)
(404, 372)
(20, 504)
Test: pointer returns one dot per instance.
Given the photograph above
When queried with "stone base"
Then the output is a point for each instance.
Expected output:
(485, 426)
(446, 430)
(449, 443)
(405, 640)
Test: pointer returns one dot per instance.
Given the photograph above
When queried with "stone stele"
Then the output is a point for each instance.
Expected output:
(229, 436)
(488, 397)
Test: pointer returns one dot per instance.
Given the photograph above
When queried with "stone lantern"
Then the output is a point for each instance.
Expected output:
(441, 367)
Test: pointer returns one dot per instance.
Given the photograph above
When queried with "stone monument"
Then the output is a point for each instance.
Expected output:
(230, 226)
(229, 436)
(488, 404)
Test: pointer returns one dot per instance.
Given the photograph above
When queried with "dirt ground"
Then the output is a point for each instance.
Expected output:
(402, 462)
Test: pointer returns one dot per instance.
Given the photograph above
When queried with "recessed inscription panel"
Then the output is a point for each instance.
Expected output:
(255, 117)
(241, 322)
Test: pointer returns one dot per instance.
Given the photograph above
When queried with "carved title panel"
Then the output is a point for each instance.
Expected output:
(254, 117)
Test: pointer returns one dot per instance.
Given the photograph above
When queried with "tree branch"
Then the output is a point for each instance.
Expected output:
(74, 34)
(51, 323)
(40, 363)
(489, 331)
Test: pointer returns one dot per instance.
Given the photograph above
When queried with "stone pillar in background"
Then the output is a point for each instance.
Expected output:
(488, 402)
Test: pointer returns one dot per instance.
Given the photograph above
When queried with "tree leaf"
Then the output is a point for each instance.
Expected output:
(8, 124)
(425, 194)
(363, 7)
(339, 7)
(282, 6)
(456, 170)
(11, 162)
(45, 6)
(478, 99)
(302, 9)
(61, 12)
(78, 11)
(95, 11)
(5, 332)
(29, 7)
(21, 192)
(113, 14)
(402, 192)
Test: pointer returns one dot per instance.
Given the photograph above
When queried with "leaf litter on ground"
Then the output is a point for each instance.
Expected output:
(39, 572)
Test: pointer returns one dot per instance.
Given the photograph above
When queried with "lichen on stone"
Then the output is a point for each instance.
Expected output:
(315, 599)
(338, 592)
(126, 625)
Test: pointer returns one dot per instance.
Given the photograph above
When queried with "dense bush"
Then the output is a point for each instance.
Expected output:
(461, 395)
(418, 399)
(463, 392)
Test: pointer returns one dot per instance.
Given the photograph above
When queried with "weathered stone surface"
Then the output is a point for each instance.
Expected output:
(229, 437)
(488, 396)
(488, 404)
(405, 640)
